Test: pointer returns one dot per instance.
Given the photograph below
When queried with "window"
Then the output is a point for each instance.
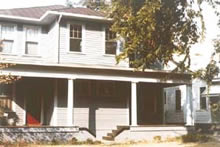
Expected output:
(110, 42)
(178, 100)
(31, 44)
(7, 37)
(5, 96)
(75, 38)
(202, 99)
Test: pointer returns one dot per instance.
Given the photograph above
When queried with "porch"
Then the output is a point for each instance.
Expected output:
(99, 100)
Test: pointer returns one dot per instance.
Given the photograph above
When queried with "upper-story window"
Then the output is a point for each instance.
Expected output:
(75, 37)
(31, 43)
(7, 38)
(110, 42)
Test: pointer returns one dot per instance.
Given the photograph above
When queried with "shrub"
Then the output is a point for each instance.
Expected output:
(157, 138)
(195, 138)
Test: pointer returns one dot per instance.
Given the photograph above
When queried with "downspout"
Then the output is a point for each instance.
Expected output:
(58, 21)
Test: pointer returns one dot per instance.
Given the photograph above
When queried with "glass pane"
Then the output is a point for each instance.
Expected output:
(76, 31)
(71, 34)
(111, 48)
(7, 46)
(7, 30)
(32, 33)
(75, 45)
(31, 48)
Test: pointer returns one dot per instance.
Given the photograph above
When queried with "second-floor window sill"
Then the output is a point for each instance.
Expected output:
(35, 56)
(76, 53)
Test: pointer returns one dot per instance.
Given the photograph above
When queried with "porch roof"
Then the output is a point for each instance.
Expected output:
(99, 73)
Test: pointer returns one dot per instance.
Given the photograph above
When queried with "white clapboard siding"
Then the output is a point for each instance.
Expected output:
(21, 115)
(93, 49)
(62, 117)
(171, 115)
(174, 117)
(105, 118)
(203, 117)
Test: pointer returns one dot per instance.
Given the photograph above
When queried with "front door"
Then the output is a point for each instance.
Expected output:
(33, 104)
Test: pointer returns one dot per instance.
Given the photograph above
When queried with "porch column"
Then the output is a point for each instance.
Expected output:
(55, 104)
(189, 106)
(70, 102)
(14, 97)
(134, 103)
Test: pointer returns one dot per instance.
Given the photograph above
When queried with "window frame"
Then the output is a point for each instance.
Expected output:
(105, 40)
(82, 37)
(36, 40)
(202, 97)
(9, 38)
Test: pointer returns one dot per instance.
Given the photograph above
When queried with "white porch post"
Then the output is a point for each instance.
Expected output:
(134, 103)
(70, 102)
(189, 106)
(14, 97)
(55, 104)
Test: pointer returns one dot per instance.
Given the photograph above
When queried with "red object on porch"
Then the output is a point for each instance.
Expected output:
(31, 120)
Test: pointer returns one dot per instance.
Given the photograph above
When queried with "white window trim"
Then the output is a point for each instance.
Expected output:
(68, 38)
(37, 40)
(14, 38)
(104, 45)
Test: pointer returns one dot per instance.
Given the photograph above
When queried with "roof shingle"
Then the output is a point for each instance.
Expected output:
(37, 12)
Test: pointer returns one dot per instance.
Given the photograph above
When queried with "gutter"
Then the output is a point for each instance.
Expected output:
(58, 45)
(43, 17)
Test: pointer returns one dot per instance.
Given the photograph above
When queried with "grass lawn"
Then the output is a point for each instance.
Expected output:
(163, 144)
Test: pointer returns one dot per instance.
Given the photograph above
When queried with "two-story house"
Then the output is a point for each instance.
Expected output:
(70, 79)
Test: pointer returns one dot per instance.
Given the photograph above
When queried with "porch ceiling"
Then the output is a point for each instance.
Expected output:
(151, 76)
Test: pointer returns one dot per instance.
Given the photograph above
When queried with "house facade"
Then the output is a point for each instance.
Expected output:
(69, 76)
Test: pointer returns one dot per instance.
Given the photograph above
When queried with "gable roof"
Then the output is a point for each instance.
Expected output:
(38, 12)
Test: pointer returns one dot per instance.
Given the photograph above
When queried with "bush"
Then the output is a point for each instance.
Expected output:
(157, 138)
(195, 138)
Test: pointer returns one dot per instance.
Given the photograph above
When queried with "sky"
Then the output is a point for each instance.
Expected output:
(202, 48)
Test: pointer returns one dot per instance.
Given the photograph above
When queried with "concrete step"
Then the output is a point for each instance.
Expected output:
(110, 134)
(109, 138)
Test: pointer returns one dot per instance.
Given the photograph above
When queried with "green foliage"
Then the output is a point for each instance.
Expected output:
(157, 139)
(100, 5)
(155, 31)
(194, 138)
(215, 109)
(160, 30)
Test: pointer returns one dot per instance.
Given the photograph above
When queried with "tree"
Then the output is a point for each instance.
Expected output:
(6, 79)
(160, 30)
(100, 5)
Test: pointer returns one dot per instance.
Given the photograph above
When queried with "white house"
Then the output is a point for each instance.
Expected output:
(71, 82)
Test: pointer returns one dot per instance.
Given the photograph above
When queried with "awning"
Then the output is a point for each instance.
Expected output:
(214, 91)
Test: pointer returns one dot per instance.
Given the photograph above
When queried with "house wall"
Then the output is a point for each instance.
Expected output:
(201, 116)
(171, 114)
(93, 46)
(47, 45)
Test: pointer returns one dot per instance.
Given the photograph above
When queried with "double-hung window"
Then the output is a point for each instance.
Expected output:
(31, 43)
(110, 42)
(75, 38)
(7, 38)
